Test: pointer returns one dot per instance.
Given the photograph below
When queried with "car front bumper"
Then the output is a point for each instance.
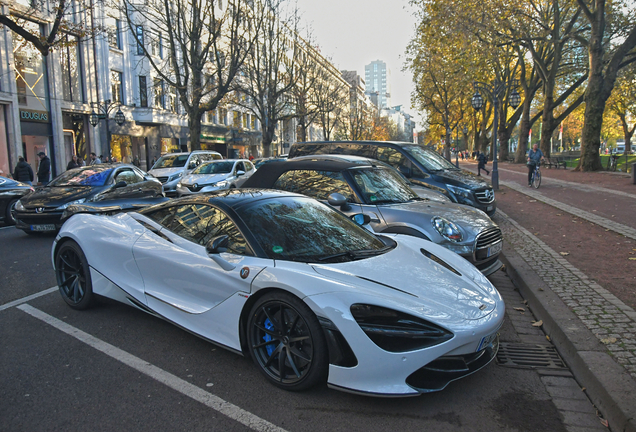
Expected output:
(48, 221)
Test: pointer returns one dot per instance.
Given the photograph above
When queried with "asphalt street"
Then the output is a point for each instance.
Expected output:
(114, 367)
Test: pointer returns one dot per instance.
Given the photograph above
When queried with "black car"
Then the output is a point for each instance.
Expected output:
(10, 192)
(42, 210)
(421, 166)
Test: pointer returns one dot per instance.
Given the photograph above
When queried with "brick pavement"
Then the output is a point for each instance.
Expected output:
(613, 322)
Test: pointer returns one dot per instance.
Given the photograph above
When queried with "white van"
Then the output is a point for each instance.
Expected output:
(172, 166)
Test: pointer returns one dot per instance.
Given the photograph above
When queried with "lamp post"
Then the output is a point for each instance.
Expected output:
(495, 91)
(103, 111)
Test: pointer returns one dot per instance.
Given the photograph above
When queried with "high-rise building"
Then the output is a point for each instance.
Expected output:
(377, 77)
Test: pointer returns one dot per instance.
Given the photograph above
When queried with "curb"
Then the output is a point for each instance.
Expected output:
(607, 384)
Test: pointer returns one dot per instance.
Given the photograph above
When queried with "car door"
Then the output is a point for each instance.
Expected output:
(133, 187)
(176, 268)
(240, 179)
(149, 188)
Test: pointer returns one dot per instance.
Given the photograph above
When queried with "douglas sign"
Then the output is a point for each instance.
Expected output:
(37, 116)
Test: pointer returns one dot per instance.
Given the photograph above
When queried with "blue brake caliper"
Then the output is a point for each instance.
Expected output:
(267, 338)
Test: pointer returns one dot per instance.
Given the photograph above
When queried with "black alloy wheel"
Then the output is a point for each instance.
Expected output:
(73, 276)
(286, 342)
(9, 217)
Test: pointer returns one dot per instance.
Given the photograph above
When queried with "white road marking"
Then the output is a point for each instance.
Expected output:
(216, 403)
(27, 298)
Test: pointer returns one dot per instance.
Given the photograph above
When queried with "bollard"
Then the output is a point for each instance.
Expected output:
(634, 173)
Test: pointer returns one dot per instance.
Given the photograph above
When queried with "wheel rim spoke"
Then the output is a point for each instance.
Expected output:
(292, 364)
(262, 344)
(271, 357)
(68, 264)
(281, 366)
(300, 355)
(298, 339)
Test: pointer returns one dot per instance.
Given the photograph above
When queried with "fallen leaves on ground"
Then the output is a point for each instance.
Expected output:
(608, 341)
(564, 253)
(548, 338)
(520, 309)
(532, 201)
(632, 258)
(537, 323)
(604, 423)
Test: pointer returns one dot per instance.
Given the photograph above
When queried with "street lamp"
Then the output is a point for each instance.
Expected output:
(495, 91)
(103, 111)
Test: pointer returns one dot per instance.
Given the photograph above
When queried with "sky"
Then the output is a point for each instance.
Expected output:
(353, 33)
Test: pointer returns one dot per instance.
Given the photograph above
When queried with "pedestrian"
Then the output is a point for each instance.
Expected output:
(23, 172)
(535, 156)
(94, 159)
(136, 162)
(483, 160)
(44, 170)
(72, 163)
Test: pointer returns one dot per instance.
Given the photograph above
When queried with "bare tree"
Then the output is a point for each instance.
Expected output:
(66, 19)
(330, 98)
(207, 42)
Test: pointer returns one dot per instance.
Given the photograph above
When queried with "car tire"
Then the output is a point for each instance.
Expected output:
(291, 352)
(9, 217)
(73, 276)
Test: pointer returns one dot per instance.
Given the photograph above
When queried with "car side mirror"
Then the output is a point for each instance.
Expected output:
(338, 200)
(120, 184)
(240, 173)
(217, 245)
(361, 218)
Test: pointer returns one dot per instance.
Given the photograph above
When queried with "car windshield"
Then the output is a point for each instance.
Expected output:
(429, 159)
(302, 229)
(214, 168)
(95, 175)
(259, 163)
(382, 186)
(171, 161)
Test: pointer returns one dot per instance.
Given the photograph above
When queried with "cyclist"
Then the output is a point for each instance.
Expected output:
(535, 156)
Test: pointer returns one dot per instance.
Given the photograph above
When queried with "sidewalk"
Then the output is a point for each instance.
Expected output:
(564, 255)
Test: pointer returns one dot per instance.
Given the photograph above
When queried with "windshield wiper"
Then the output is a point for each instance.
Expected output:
(362, 253)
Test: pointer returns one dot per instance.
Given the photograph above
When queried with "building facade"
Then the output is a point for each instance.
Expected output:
(378, 83)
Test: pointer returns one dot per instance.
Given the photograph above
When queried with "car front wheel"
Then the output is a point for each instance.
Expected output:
(286, 342)
(73, 276)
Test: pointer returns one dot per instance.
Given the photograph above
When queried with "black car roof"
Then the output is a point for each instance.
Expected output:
(266, 175)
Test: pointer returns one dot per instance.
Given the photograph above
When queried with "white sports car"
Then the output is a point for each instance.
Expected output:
(305, 291)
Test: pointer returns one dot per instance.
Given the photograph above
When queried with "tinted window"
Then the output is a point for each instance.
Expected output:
(309, 149)
(430, 160)
(93, 175)
(200, 223)
(379, 186)
(301, 229)
(214, 168)
(129, 176)
(162, 216)
(354, 149)
(316, 184)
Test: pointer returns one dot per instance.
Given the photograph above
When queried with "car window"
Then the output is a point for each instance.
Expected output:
(194, 160)
(316, 184)
(200, 223)
(239, 167)
(162, 216)
(382, 185)
(249, 166)
(171, 161)
(206, 157)
(354, 149)
(129, 176)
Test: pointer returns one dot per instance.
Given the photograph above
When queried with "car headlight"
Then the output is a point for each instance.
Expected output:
(447, 229)
(175, 176)
(19, 206)
(222, 183)
(79, 201)
(179, 185)
(459, 192)
(395, 331)
(459, 249)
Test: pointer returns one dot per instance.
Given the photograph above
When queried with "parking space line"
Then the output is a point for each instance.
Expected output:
(27, 298)
(216, 403)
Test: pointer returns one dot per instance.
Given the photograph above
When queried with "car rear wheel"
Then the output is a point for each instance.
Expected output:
(286, 342)
(73, 276)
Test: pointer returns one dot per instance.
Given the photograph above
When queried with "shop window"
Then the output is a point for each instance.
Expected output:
(30, 70)
(169, 145)
(116, 86)
(71, 69)
(143, 92)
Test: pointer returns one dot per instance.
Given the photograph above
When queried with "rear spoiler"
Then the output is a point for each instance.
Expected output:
(107, 208)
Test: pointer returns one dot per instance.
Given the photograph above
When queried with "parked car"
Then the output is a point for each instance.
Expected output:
(42, 210)
(216, 175)
(261, 161)
(392, 206)
(297, 286)
(421, 166)
(421, 191)
(172, 166)
(10, 192)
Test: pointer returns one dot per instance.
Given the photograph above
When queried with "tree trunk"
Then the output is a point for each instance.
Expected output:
(504, 142)
(194, 123)
(524, 132)
(268, 137)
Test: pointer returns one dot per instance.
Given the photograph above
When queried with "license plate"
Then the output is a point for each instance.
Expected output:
(46, 227)
(487, 340)
(493, 250)
(489, 208)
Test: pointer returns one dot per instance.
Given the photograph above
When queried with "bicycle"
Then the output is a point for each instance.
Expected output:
(536, 177)
(612, 163)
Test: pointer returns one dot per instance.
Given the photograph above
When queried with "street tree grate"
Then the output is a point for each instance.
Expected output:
(529, 356)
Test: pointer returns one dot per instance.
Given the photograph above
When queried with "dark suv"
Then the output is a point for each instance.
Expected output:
(421, 166)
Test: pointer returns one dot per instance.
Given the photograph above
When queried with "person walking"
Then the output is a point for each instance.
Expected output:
(483, 160)
(44, 170)
(23, 172)
(72, 163)
(535, 156)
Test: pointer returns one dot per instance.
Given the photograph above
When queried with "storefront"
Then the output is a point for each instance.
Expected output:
(5, 162)
(75, 136)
